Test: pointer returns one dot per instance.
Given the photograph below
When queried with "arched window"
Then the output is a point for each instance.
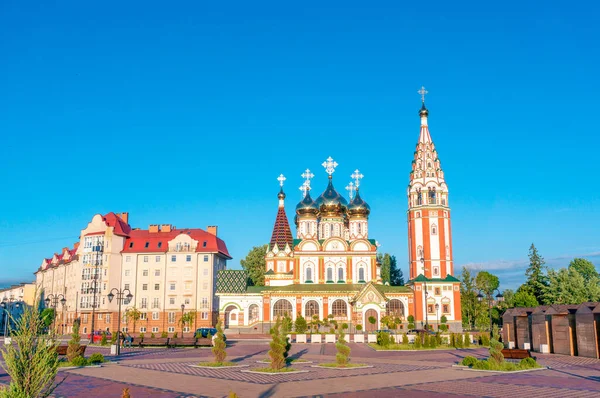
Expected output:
(309, 274)
(419, 197)
(311, 308)
(361, 274)
(433, 229)
(420, 251)
(339, 308)
(329, 274)
(432, 195)
(233, 317)
(281, 308)
(340, 274)
(253, 315)
(395, 308)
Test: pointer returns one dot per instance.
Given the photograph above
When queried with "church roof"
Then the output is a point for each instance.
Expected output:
(232, 281)
(282, 234)
(422, 278)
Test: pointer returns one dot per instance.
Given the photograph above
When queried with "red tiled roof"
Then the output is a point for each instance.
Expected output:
(139, 238)
(121, 228)
(282, 234)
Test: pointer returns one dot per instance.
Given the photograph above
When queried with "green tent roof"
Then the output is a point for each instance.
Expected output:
(232, 281)
(422, 278)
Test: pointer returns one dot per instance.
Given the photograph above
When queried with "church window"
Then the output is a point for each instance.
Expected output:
(309, 275)
(433, 229)
(419, 197)
(311, 308)
(253, 314)
(361, 274)
(340, 274)
(331, 229)
(329, 275)
(233, 317)
(282, 308)
(395, 308)
(358, 227)
(432, 195)
(436, 271)
(339, 308)
(420, 251)
(437, 291)
(447, 252)
(430, 309)
(445, 308)
(418, 214)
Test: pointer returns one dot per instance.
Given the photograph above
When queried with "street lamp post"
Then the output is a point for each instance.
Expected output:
(121, 296)
(182, 308)
(52, 301)
(490, 297)
(437, 315)
(6, 307)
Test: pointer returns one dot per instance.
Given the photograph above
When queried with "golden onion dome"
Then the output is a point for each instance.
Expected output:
(331, 201)
(358, 207)
(307, 206)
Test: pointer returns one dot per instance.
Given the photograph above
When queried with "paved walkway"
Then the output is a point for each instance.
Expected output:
(161, 372)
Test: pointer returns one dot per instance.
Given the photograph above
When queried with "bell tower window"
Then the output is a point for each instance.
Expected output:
(433, 229)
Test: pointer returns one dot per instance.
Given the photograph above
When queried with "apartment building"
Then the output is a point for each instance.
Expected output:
(24, 292)
(169, 272)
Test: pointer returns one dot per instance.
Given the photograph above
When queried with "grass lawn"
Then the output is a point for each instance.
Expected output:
(269, 370)
(408, 347)
(217, 364)
(505, 366)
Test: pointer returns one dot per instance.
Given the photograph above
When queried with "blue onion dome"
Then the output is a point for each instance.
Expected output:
(423, 111)
(330, 201)
(281, 194)
(307, 206)
(358, 207)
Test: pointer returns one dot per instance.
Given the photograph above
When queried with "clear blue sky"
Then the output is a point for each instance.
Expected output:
(186, 113)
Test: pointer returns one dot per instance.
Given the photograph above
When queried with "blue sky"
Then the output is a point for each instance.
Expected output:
(187, 113)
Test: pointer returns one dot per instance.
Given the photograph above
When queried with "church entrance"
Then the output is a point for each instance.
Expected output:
(371, 327)
(231, 316)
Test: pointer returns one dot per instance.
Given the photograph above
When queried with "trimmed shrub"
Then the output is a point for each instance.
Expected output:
(125, 393)
(219, 345)
(469, 361)
(141, 335)
(164, 335)
(73, 348)
(113, 338)
(383, 339)
(343, 351)
(484, 339)
(152, 335)
(426, 340)
(103, 340)
(466, 340)
(79, 361)
(418, 342)
(481, 365)
(452, 340)
(300, 324)
(96, 358)
(359, 328)
(404, 339)
(527, 363)
(372, 320)
(175, 335)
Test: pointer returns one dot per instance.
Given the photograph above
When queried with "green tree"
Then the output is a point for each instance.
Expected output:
(219, 345)
(277, 344)
(134, 314)
(300, 324)
(73, 347)
(47, 317)
(523, 298)
(187, 319)
(31, 361)
(568, 286)
(255, 264)
(384, 260)
(468, 298)
(487, 282)
(396, 275)
(585, 268)
(537, 280)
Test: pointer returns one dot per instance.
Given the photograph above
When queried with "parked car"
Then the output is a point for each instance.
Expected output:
(204, 332)
(98, 336)
(416, 331)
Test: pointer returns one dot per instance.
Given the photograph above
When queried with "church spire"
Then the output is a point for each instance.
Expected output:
(282, 235)
(424, 137)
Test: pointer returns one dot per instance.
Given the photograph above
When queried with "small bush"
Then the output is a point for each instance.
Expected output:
(383, 339)
(175, 335)
(418, 342)
(300, 324)
(484, 339)
(372, 320)
(404, 339)
(141, 335)
(359, 328)
(466, 340)
(452, 340)
(79, 361)
(125, 393)
(481, 365)
(469, 361)
(527, 363)
(96, 358)
(164, 335)
(103, 340)
(425, 337)
(152, 336)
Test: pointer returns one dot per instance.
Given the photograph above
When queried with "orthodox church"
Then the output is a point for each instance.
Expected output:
(330, 268)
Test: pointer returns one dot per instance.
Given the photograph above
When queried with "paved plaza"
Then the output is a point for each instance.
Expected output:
(161, 372)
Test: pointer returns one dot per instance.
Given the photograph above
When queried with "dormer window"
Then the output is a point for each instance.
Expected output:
(159, 244)
(204, 244)
(131, 245)
(147, 245)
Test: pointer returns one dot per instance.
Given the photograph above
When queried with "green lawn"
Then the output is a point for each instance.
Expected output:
(408, 347)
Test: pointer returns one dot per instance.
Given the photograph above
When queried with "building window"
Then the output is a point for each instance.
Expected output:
(100, 316)
(85, 318)
(142, 329)
(204, 244)
(311, 308)
(145, 259)
(445, 308)
(155, 316)
(437, 291)
(395, 308)
(253, 315)
(433, 229)
(145, 286)
(127, 259)
(157, 286)
(205, 285)
(159, 245)
(144, 302)
(329, 275)
(147, 245)
(145, 272)
(155, 329)
(157, 259)
(127, 272)
(308, 274)
(187, 301)
(172, 286)
(205, 272)
(281, 308)
(339, 308)
(126, 286)
(205, 258)
(340, 274)
(155, 302)
(436, 271)
(361, 274)
(188, 258)
(107, 318)
(204, 315)
(430, 309)
(171, 329)
(204, 302)
(173, 258)
(156, 272)
(172, 300)
(187, 286)
(171, 317)
(131, 245)
(143, 316)
(186, 329)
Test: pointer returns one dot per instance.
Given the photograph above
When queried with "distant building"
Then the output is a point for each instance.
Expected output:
(163, 267)
(24, 292)
(330, 269)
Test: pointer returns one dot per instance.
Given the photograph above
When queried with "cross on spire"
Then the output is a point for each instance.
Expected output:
(351, 188)
(281, 179)
(305, 187)
(422, 91)
(329, 165)
(307, 175)
(356, 176)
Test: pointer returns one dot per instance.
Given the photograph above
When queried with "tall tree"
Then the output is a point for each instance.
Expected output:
(568, 286)
(255, 264)
(396, 275)
(537, 280)
(468, 297)
(585, 268)
(523, 298)
(385, 261)
(487, 282)
(134, 314)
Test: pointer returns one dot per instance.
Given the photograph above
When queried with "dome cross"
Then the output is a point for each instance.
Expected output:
(281, 179)
(307, 175)
(423, 92)
(356, 176)
(351, 188)
(330, 165)
(305, 187)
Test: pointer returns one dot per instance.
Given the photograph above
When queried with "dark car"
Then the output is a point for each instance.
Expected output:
(98, 336)
(431, 332)
(204, 332)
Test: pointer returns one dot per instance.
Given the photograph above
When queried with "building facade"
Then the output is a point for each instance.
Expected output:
(330, 269)
(169, 272)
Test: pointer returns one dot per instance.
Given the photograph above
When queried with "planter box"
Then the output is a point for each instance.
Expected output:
(301, 338)
(511, 344)
(359, 338)
(315, 338)
(544, 349)
(7, 340)
(330, 338)
(371, 338)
